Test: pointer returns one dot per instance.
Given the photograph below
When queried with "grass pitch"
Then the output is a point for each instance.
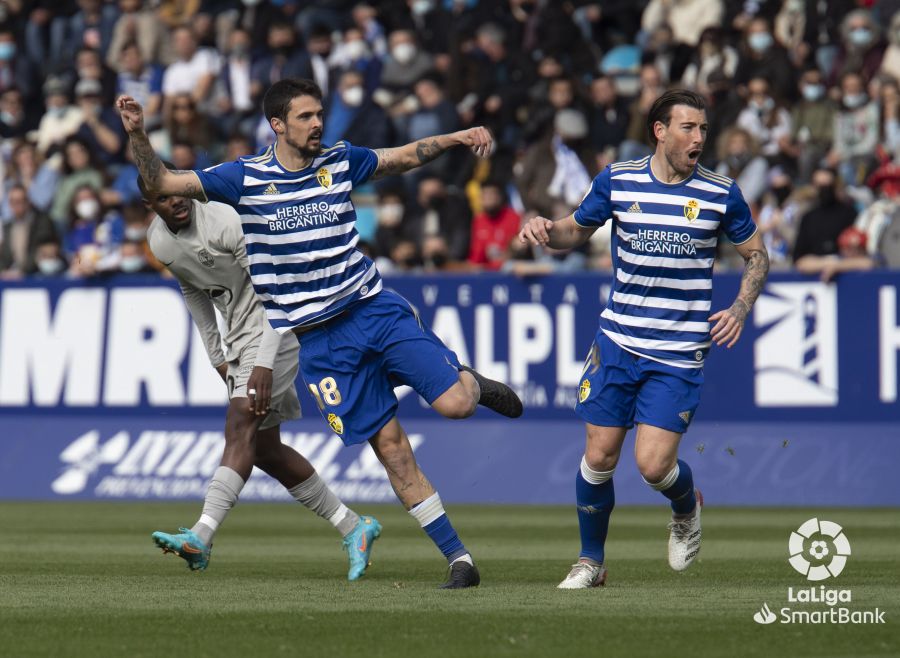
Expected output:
(84, 579)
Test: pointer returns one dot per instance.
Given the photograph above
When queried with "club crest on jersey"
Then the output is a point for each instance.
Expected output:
(324, 177)
(584, 390)
(336, 424)
(205, 258)
(692, 209)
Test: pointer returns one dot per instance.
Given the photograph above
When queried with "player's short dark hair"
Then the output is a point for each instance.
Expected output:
(661, 110)
(142, 186)
(279, 96)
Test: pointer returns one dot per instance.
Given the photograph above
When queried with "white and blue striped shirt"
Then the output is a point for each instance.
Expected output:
(663, 249)
(300, 230)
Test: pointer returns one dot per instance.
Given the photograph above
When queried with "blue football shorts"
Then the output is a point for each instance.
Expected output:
(352, 364)
(619, 388)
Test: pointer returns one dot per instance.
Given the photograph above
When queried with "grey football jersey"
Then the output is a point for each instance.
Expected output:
(209, 259)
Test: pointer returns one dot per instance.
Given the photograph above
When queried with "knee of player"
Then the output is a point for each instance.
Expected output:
(654, 472)
(240, 425)
(598, 460)
(456, 403)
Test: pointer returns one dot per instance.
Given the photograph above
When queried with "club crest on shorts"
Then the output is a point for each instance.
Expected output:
(692, 209)
(336, 424)
(205, 258)
(584, 390)
(324, 177)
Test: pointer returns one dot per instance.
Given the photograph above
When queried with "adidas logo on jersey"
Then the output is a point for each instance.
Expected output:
(271, 189)
(635, 207)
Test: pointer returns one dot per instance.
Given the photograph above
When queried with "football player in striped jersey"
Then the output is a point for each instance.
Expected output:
(646, 363)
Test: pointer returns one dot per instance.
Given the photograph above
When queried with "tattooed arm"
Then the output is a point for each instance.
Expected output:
(403, 158)
(730, 322)
(159, 180)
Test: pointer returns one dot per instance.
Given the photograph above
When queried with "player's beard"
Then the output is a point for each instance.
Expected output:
(679, 160)
(305, 150)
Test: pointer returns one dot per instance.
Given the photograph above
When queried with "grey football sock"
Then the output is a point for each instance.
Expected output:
(221, 496)
(315, 494)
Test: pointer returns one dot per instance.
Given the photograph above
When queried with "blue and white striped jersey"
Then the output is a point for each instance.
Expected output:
(300, 230)
(663, 249)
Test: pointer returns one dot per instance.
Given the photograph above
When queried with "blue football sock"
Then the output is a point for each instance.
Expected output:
(445, 538)
(431, 516)
(595, 504)
(681, 491)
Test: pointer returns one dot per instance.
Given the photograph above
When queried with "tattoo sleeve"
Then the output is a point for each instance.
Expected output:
(756, 269)
(398, 160)
(152, 170)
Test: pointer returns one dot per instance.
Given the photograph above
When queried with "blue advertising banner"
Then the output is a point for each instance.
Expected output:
(468, 461)
(106, 391)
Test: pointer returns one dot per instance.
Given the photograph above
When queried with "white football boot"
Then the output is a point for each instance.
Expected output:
(584, 576)
(684, 537)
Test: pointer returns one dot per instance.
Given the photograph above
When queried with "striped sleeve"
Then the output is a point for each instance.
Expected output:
(596, 207)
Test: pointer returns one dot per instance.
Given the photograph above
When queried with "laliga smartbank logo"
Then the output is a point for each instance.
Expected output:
(818, 550)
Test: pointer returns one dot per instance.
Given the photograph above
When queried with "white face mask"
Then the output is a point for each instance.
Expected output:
(421, 7)
(404, 52)
(131, 264)
(135, 233)
(50, 266)
(353, 96)
(356, 49)
(87, 208)
(390, 214)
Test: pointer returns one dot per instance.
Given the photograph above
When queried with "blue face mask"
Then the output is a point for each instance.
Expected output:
(813, 92)
(7, 51)
(860, 36)
(760, 41)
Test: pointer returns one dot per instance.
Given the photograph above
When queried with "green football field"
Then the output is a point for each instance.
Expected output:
(84, 579)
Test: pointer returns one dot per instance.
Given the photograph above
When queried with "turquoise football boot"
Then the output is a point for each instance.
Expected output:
(185, 545)
(358, 545)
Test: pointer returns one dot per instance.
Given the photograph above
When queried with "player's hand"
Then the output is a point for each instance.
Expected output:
(729, 324)
(536, 231)
(131, 112)
(222, 369)
(259, 390)
(478, 139)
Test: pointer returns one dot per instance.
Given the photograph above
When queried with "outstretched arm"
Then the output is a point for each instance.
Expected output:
(730, 322)
(563, 233)
(159, 180)
(403, 158)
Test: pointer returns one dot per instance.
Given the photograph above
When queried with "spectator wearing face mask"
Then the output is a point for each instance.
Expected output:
(354, 117)
(132, 259)
(765, 118)
(390, 214)
(440, 211)
(856, 132)
(15, 123)
(861, 49)
(355, 54)
(762, 57)
(493, 229)
(821, 226)
(91, 238)
(739, 159)
(49, 260)
(15, 68)
(80, 168)
(812, 125)
(405, 64)
(140, 80)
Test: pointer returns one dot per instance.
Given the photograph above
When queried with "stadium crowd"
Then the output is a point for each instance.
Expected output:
(803, 106)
